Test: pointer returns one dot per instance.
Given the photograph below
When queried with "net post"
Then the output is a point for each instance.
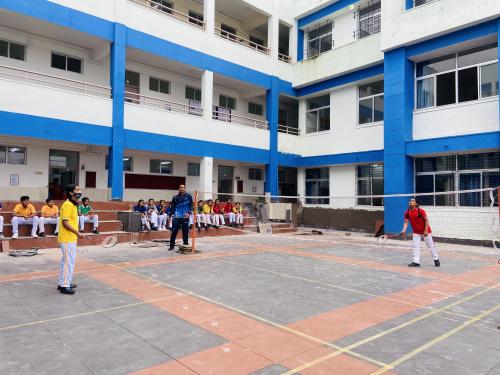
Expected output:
(193, 235)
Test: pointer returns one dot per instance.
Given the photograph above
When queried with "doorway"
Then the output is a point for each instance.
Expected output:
(225, 182)
(132, 87)
(63, 170)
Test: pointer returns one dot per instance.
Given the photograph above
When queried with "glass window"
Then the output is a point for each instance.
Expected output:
(425, 184)
(255, 174)
(74, 65)
(4, 48)
(161, 166)
(319, 40)
(227, 102)
(193, 93)
(478, 55)
(370, 181)
(467, 84)
(489, 80)
(159, 85)
(282, 117)
(318, 114)
(317, 185)
(470, 181)
(58, 61)
(369, 21)
(490, 160)
(425, 93)
(255, 108)
(127, 163)
(193, 169)
(437, 65)
(438, 164)
(132, 78)
(16, 155)
(445, 89)
(63, 62)
(163, 5)
(3, 154)
(16, 51)
(371, 102)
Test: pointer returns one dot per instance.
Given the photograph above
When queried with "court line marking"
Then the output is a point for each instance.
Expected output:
(259, 318)
(436, 341)
(391, 330)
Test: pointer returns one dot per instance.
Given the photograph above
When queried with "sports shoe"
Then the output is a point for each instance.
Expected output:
(1, 236)
(34, 235)
(14, 236)
(437, 263)
(64, 290)
(413, 264)
(72, 286)
(171, 248)
(41, 234)
(95, 231)
(56, 234)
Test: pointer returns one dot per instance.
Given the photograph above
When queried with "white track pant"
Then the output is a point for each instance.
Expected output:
(153, 219)
(145, 222)
(68, 252)
(203, 219)
(1, 224)
(47, 220)
(239, 218)
(417, 239)
(231, 217)
(87, 219)
(218, 219)
(162, 220)
(16, 221)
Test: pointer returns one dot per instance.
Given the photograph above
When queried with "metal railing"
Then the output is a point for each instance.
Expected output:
(165, 105)
(227, 116)
(311, 52)
(417, 3)
(368, 26)
(288, 130)
(47, 80)
(170, 12)
(284, 58)
(240, 40)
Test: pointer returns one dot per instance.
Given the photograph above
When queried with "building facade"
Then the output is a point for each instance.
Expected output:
(338, 99)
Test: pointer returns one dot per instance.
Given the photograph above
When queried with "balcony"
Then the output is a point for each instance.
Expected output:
(242, 41)
(224, 114)
(284, 58)
(164, 9)
(288, 130)
(192, 109)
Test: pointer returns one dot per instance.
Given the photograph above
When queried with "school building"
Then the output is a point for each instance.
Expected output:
(345, 98)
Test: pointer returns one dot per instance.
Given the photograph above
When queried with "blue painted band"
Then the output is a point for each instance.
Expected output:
(324, 12)
(347, 158)
(300, 45)
(22, 125)
(459, 143)
(341, 80)
(409, 4)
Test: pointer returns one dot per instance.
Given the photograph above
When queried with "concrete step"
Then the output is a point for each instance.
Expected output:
(104, 226)
(284, 230)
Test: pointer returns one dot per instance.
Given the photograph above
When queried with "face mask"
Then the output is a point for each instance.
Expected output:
(77, 195)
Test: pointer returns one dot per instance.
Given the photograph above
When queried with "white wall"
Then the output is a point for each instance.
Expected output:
(457, 119)
(343, 185)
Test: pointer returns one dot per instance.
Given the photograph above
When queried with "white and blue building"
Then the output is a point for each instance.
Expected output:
(340, 98)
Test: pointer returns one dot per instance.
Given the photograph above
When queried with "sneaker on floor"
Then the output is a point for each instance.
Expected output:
(437, 263)
(72, 286)
(95, 231)
(171, 248)
(56, 234)
(413, 264)
(36, 236)
(66, 291)
(41, 234)
(14, 236)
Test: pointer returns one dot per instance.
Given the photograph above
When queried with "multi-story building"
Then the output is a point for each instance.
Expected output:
(314, 98)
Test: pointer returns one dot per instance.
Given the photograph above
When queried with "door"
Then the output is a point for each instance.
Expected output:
(225, 182)
(132, 87)
(63, 170)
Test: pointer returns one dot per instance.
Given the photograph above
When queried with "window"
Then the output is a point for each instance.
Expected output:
(319, 40)
(127, 163)
(193, 169)
(227, 102)
(193, 93)
(196, 18)
(255, 174)
(282, 117)
(161, 166)
(371, 102)
(255, 108)
(370, 181)
(64, 62)
(12, 155)
(318, 185)
(163, 5)
(457, 172)
(318, 114)
(369, 20)
(159, 85)
(227, 31)
(458, 77)
(12, 50)
(417, 3)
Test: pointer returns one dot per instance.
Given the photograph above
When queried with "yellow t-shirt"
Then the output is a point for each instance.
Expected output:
(70, 212)
(49, 211)
(207, 209)
(19, 210)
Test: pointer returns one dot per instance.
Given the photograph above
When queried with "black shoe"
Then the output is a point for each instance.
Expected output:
(413, 264)
(72, 286)
(171, 248)
(41, 234)
(67, 291)
(95, 231)
(437, 263)
(154, 229)
(185, 244)
(56, 234)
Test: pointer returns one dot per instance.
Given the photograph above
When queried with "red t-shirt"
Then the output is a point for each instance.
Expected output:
(228, 208)
(417, 221)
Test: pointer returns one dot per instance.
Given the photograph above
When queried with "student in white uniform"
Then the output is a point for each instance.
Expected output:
(48, 215)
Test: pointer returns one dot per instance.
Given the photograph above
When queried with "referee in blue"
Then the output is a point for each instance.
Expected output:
(181, 208)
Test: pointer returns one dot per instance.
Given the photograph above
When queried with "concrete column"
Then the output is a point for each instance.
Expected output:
(301, 184)
(209, 15)
(292, 43)
(273, 32)
(207, 93)
(272, 106)
(206, 177)
(117, 69)
(398, 127)
(302, 116)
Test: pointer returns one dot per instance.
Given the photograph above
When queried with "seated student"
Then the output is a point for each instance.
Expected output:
(143, 210)
(1, 223)
(152, 214)
(163, 213)
(87, 215)
(207, 210)
(201, 218)
(218, 213)
(24, 214)
(49, 215)
(228, 209)
(238, 212)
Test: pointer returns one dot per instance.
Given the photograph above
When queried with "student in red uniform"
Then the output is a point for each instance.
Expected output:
(421, 228)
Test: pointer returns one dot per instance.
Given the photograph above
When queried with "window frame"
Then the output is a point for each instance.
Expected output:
(226, 98)
(318, 117)
(372, 97)
(159, 80)
(197, 169)
(319, 38)
(66, 57)
(316, 201)
(160, 163)
(370, 179)
(131, 158)
(255, 174)
(9, 43)
(256, 105)
(7, 147)
(195, 90)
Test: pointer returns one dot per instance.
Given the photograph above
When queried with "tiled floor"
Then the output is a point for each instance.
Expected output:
(253, 305)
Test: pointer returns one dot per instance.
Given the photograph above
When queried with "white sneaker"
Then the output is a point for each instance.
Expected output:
(34, 235)
(1, 236)
(14, 236)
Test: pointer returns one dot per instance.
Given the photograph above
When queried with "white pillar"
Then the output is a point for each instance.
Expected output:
(301, 184)
(206, 177)
(302, 116)
(207, 93)
(292, 43)
(209, 15)
(273, 31)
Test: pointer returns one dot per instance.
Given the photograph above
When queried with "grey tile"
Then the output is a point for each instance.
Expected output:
(271, 370)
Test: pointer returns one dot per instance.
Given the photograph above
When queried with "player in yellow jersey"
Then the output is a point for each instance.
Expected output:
(67, 238)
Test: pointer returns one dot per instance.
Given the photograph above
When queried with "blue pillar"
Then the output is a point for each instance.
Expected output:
(117, 75)
(409, 4)
(398, 126)
(300, 45)
(272, 107)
